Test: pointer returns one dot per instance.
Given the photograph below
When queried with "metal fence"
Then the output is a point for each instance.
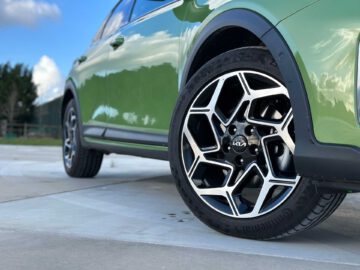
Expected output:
(30, 131)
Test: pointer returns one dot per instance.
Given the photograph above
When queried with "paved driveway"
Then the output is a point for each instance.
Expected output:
(131, 217)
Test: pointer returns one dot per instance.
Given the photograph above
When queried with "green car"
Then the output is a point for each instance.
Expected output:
(255, 103)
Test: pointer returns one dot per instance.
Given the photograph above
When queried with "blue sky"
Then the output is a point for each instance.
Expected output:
(48, 35)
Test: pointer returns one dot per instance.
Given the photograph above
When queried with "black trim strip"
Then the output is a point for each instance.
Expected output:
(108, 149)
(96, 132)
(126, 136)
(136, 137)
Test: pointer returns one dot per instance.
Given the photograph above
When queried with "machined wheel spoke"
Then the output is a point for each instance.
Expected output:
(195, 148)
(218, 164)
(283, 131)
(210, 108)
(262, 93)
(264, 189)
(67, 129)
(200, 111)
(235, 113)
(289, 182)
(254, 166)
(73, 133)
(199, 155)
(67, 144)
(261, 122)
(211, 191)
(245, 98)
(215, 97)
(216, 137)
(270, 177)
(233, 206)
(222, 192)
(261, 198)
(209, 116)
(73, 119)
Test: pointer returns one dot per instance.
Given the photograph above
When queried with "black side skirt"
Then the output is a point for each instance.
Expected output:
(126, 136)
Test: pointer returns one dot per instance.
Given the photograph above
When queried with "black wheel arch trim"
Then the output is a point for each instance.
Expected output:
(70, 88)
(317, 161)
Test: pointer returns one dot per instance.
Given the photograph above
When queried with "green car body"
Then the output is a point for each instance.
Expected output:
(127, 84)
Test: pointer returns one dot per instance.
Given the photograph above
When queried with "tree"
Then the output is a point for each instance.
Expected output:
(17, 93)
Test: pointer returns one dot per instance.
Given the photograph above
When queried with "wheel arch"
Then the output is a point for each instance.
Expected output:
(247, 25)
(69, 94)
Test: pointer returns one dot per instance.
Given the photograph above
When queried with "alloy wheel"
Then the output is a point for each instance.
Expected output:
(238, 143)
(70, 145)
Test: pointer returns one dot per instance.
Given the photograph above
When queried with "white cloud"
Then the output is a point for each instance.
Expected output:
(48, 79)
(26, 12)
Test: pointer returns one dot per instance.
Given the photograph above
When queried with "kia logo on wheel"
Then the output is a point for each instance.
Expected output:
(239, 144)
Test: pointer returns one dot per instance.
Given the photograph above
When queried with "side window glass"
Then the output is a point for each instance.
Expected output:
(119, 17)
(143, 7)
(100, 31)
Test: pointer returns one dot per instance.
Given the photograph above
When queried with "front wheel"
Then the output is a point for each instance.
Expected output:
(232, 143)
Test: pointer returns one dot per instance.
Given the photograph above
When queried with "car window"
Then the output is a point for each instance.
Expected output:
(100, 31)
(118, 18)
(143, 7)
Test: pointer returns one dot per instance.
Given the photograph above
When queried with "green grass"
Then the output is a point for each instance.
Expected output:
(31, 141)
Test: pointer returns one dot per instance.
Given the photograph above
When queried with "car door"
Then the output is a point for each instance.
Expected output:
(88, 73)
(143, 73)
(91, 69)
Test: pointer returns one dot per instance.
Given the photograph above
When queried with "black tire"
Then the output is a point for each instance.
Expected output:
(86, 163)
(304, 208)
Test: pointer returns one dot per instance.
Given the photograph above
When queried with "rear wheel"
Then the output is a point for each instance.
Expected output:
(231, 150)
(78, 161)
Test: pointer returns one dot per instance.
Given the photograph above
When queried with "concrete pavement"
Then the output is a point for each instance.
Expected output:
(131, 217)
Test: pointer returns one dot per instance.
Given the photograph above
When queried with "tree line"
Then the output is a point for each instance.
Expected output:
(17, 93)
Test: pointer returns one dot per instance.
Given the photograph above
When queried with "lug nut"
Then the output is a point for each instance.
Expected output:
(239, 161)
(250, 130)
(254, 150)
(233, 130)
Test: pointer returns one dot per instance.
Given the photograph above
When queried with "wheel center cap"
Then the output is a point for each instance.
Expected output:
(239, 144)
